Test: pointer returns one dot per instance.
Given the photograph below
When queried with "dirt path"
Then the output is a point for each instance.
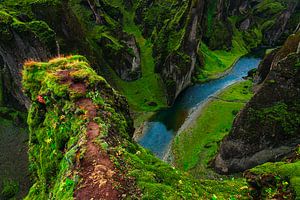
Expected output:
(99, 177)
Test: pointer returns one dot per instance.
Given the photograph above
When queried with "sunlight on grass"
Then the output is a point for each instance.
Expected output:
(149, 88)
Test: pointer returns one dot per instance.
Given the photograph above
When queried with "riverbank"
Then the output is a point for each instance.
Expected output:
(197, 142)
(161, 129)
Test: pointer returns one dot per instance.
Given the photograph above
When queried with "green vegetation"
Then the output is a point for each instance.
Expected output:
(285, 117)
(284, 174)
(297, 65)
(149, 88)
(269, 7)
(9, 22)
(10, 189)
(160, 181)
(50, 134)
(197, 145)
(13, 115)
(1, 91)
(217, 62)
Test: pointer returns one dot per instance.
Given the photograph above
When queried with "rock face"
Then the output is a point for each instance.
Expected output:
(278, 29)
(178, 67)
(268, 127)
(176, 31)
(268, 22)
(19, 43)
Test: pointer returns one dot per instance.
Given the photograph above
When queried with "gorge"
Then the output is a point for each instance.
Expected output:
(82, 82)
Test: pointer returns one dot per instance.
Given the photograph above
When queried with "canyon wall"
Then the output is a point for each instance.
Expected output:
(267, 129)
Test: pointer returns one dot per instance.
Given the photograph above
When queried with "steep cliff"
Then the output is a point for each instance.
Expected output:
(268, 128)
(175, 29)
(18, 42)
(265, 22)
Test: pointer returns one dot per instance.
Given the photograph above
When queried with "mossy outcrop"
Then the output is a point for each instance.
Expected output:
(275, 180)
(267, 129)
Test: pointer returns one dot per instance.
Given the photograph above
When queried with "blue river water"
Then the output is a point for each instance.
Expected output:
(162, 127)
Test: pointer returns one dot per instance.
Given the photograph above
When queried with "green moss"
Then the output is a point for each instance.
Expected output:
(43, 32)
(149, 88)
(268, 24)
(55, 134)
(1, 90)
(10, 189)
(210, 16)
(269, 7)
(217, 62)
(5, 21)
(38, 29)
(253, 38)
(297, 65)
(284, 116)
(214, 122)
(13, 115)
(284, 171)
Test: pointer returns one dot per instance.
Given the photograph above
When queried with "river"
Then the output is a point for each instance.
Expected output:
(161, 129)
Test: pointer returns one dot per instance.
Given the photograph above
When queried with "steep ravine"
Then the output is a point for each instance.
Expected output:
(160, 130)
(150, 51)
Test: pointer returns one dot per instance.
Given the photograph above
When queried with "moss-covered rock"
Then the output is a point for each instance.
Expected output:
(275, 180)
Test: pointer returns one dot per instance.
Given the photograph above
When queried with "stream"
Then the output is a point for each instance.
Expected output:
(161, 129)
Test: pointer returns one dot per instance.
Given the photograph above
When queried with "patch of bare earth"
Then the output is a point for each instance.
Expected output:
(99, 177)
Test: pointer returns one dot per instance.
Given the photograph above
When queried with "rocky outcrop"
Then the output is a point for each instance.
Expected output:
(181, 72)
(268, 127)
(60, 29)
(125, 61)
(19, 42)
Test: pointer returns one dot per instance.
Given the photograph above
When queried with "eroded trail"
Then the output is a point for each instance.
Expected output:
(99, 176)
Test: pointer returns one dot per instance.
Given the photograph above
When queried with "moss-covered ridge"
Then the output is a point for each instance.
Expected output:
(58, 121)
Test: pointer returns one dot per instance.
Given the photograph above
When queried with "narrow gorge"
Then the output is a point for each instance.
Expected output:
(144, 99)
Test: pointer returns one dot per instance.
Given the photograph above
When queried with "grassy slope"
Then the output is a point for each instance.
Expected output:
(149, 88)
(197, 145)
(217, 62)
